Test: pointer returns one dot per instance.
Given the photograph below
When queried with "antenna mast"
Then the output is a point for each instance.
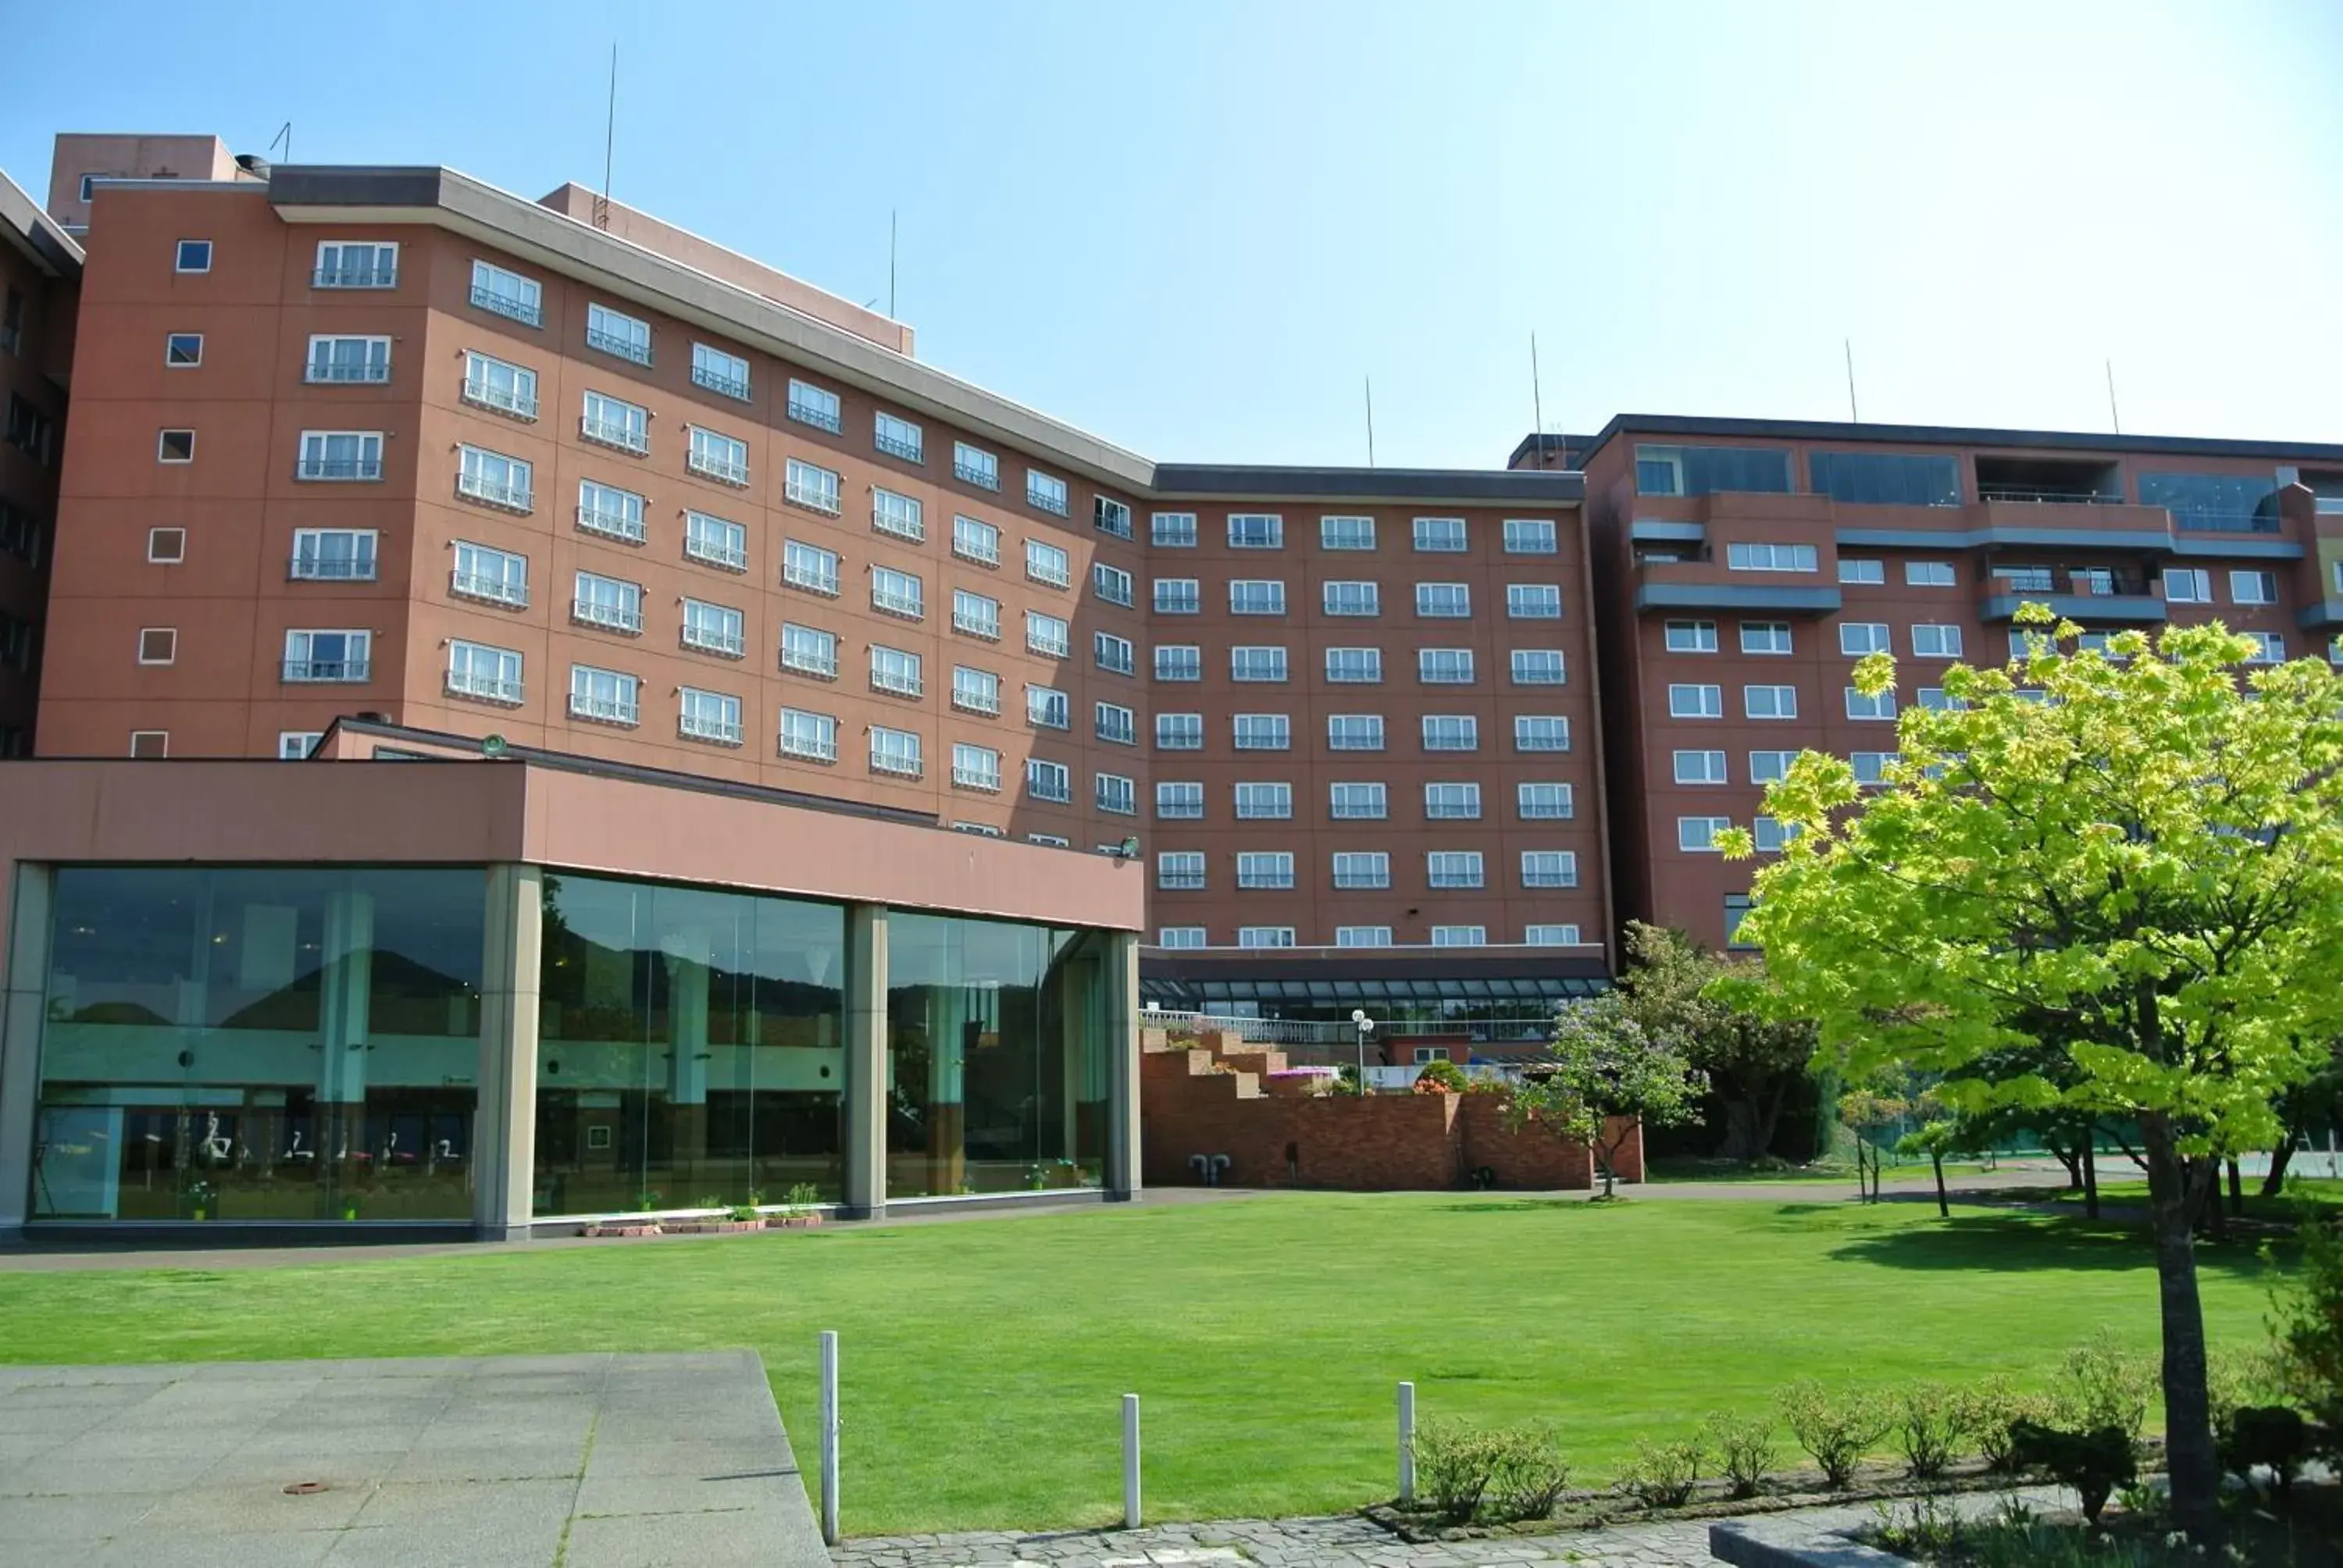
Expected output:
(890, 263)
(285, 134)
(2112, 415)
(609, 144)
(1853, 416)
(1537, 405)
(1371, 421)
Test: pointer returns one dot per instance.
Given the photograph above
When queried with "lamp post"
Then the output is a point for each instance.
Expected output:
(1365, 1027)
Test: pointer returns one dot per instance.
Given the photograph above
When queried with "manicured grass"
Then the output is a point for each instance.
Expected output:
(983, 1359)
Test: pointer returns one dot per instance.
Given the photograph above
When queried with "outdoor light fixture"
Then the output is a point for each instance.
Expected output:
(1365, 1026)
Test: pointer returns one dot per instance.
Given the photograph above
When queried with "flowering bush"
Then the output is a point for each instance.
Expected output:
(1439, 1075)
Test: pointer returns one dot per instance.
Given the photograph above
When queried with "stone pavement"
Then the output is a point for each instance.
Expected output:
(491, 1461)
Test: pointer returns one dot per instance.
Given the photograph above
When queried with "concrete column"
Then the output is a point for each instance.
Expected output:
(345, 991)
(866, 1060)
(504, 1128)
(1120, 974)
(23, 1006)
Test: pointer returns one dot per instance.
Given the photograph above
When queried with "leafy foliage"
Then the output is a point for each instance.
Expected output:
(2093, 1462)
(1837, 1427)
(2309, 1327)
(1744, 1445)
(1931, 1425)
(1608, 1076)
(1439, 1075)
(1989, 1408)
(1663, 1474)
(1490, 1474)
(1751, 1060)
(2101, 1385)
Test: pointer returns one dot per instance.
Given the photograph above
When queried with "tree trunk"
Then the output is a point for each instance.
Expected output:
(2196, 1475)
(2091, 1173)
(2072, 1161)
(1944, 1209)
(2237, 1192)
(2275, 1182)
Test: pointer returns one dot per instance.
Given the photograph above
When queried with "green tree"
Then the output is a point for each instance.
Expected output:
(1752, 1060)
(1607, 1080)
(2143, 846)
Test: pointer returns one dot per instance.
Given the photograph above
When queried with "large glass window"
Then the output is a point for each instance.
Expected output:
(1704, 470)
(1887, 478)
(996, 1055)
(2214, 503)
(233, 1044)
(691, 1047)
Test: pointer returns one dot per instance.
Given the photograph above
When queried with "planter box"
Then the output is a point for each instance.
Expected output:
(793, 1222)
(710, 1227)
(644, 1229)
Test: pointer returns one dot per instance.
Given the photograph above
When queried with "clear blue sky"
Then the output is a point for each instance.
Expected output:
(1195, 228)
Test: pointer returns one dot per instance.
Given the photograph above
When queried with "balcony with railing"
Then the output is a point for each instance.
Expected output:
(489, 588)
(810, 661)
(806, 746)
(610, 522)
(720, 383)
(481, 687)
(331, 566)
(2116, 595)
(1180, 879)
(819, 415)
(986, 780)
(619, 434)
(896, 447)
(500, 400)
(344, 469)
(527, 312)
(609, 617)
(725, 469)
(356, 278)
(502, 494)
(711, 550)
(347, 372)
(327, 671)
(897, 680)
(618, 346)
(977, 474)
(700, 726)
(897, 763)
(716, 639)
(599, 710)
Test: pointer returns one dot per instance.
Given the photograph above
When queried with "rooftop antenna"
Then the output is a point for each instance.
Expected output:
(1854, 418)
(609, 144)
(285, 134)
(1537, 404)
(1371, 421)
(890, 263)
(2112, 415)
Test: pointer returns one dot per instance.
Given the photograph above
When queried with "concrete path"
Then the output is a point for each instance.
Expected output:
(499, 1462)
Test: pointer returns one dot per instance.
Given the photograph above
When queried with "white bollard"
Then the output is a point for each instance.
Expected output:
(829, 1437)
(1406, 1444)
(1130, 1462)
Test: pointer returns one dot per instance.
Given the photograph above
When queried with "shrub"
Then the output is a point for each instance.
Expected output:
(1529, 1474)
(1835, 1429)
(2099, 1385)
(1931, 1426)
(2308, 1328)
(2093, 1462)
(1744, 1445)
(2271, 1436)
(1453, 1464)
(1989, 1408)
(1439, 1075)
(1491, 1474)
(1662, 1474)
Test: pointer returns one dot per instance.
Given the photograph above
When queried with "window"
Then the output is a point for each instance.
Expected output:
(1701, 768)
(1533, 601)
(974, 615)
(1862, 573)
(814, 488)
(340, 555)
(1930, 574)
(1439, 536)
(1116, 724)
(975, 691)
(193, 256)
(1176, 596)
(1045, 492)
(1736, 909)
(1451, 733)
(1355, 666)
(897, 437)
(896, 670)
(717, 456)
(809, 650)
(183, 349)
(1180, 937)
(487, 383)
(975, 466)
(355, 264)
(1530, 536)
(1695, 702)
(1263, 732)
(603, 695)
(158, 645)
(2026, 579)
(1697, 835)
(1362, 936)
(1356, 802)
(295, 744)
(480, 572)
(150, 743)
(1111, 517)
(1770, 767)
(1265, 868)
(2253, 587)
(615, 333)
(1934, 699)
(494, 479)
(1346, 533)
(1047, 706)
(1541, 732)
(902, 594)
(324, 454)
(2270, 648)
(1355, 732)
(1460, 936)
(1114, 794)
(895, 752)
(507, 293)
(1549, 869)
(1692, 636)
(814, 406)
(1707, 470)
(611, 603)
(976, 768)
(810, 735)
(1179, 731)
(1264, 936)
(1887, 479)
(1362, 869)
(358, 360)
(36, 434)
(1860, 705)
(476, 669)
(974, 540)
(1179, 801)
(1856, 639)
(708, 716)
(1264, 802)
(1176, 662)
(1452, 867)
(1451, 802)
(1765, 637)
(1538, 667)
(809, 566)
(1048, 780)
(1047, 635)
(609, 511)
(1543, 802)
(1444, 601)
(715, 629)
(1256, 531)
(2214, 503)
(721, 542)
(1550, 936)
(329, 656)
(1046, 563)
(1352, 599)
(1180, 870)
(2188, 585)
(1752, 557)
(721, 373)
(1443, 666)
(1172, 530)
(1257, 664)
(1111, 584)
(1871, 767)
(11, 318)
(167, 547)
(1930, 641)
(1769, 701)
(1256, 596)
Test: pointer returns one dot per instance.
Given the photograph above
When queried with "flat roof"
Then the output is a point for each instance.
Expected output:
(1533, 486)
(35, 233)
(1926, 436)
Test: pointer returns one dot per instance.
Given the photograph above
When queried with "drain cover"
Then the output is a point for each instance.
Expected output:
(304, 1488)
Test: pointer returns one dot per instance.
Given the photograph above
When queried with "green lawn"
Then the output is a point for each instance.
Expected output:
(983, 1359)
